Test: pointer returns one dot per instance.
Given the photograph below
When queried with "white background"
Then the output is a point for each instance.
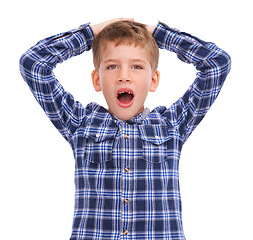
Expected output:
(36, 163)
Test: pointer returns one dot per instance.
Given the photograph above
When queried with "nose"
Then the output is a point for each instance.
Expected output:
(124, 75)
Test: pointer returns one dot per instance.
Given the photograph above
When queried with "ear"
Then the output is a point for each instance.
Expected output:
(96, 80)
(154, 81)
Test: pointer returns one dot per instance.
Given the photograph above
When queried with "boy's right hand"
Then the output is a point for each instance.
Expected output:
(97, 28)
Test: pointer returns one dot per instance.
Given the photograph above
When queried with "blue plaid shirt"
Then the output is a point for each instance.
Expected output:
(126, 173)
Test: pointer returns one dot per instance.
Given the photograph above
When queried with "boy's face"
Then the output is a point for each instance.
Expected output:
(125, 77)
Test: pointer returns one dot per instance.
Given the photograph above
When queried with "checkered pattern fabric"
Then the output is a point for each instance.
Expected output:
(126, 172)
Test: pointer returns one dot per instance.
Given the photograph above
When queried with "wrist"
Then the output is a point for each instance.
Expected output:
(94, 29)
(151, 29)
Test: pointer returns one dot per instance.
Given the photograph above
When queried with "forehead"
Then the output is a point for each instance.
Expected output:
(111, 50)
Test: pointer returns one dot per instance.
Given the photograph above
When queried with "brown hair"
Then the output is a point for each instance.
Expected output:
(125, 32)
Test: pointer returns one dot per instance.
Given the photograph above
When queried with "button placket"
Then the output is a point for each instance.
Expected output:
(126, 180)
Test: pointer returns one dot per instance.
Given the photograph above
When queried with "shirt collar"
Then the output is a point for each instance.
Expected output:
(101, 118)
(137, 119)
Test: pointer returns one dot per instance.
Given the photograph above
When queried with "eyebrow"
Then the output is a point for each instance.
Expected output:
(131, 60)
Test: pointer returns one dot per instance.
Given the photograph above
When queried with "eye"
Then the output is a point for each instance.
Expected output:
(112, 67)
(137, 67)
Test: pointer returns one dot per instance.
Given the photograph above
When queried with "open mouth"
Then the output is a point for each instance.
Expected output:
(125, 97)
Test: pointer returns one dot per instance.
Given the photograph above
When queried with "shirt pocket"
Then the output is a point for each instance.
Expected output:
(98, 144)
(155, 140)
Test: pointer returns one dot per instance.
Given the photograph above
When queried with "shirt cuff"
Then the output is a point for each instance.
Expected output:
(164, 35)
(88, 33)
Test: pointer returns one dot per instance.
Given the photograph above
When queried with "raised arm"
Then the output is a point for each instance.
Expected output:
(213, 66)
(36, 66)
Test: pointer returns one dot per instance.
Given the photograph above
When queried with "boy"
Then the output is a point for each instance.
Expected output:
(126, 157)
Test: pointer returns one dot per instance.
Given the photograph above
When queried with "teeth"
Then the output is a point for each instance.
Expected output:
(125, 92)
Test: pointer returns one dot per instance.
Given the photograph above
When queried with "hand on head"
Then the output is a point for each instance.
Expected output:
(97, 28)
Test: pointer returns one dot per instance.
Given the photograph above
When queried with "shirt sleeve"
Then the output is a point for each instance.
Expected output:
(36, 66)
(213, 66)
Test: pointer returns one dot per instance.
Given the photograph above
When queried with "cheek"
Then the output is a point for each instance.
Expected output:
(106, 85)
(102, 79)
(146, 81)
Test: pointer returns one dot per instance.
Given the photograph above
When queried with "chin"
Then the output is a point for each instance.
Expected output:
(124, 117)
(127, 114)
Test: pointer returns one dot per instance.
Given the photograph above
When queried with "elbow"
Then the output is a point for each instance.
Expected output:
(228, 62)
(21, 62)
(25, 63)
(224, 61)
(22, 67)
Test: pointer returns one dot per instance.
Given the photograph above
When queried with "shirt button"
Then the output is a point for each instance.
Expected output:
(126, 201)
(127, 136)
(125, 232)
(97, 135)
(156, 137)
(127, 169)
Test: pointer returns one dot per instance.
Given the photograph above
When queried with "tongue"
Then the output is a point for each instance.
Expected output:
(125, 97)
